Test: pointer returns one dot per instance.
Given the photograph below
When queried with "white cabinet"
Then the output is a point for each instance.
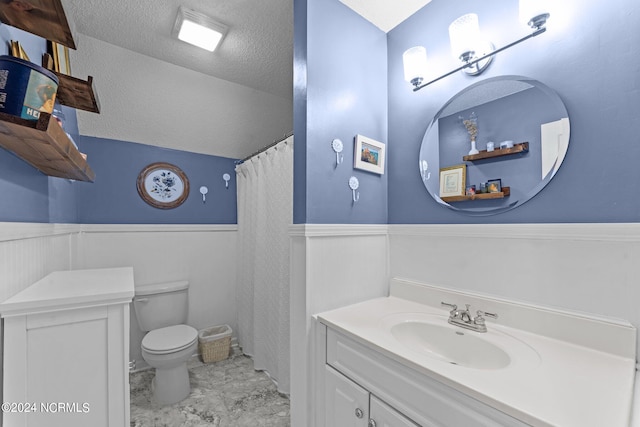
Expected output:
(349, 405)
(66, 350)
(347, 402)
(385, 416)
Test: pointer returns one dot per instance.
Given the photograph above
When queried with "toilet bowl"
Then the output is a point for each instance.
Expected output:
(161, 309)
(168, 350)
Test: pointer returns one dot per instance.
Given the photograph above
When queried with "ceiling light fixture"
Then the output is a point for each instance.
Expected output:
(468, 45)
(198, 29)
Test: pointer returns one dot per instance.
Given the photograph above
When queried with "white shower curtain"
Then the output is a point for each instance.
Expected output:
(265, 211)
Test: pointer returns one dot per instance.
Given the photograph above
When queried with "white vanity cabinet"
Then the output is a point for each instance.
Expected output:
(350, 405)
(391, 394)
(66, 350)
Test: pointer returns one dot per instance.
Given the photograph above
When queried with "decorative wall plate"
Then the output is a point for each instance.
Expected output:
(163, 185)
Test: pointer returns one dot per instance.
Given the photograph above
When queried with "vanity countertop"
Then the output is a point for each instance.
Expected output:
(571, 385)
(72, 289)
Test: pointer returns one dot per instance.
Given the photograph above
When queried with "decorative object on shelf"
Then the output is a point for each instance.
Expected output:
(506, 192)
(226, 178)
(494, 186)
(469, 45)
(18, 51)
(28, 90)
(453, 181)
(506, 144)
(337, 146)
(471, 124)
(60, 55)
(43, 18)
(369, 155)
(353, 185)
(471, 190)
(483, 187)
(204, 190)
(163, 185)
(490, 146)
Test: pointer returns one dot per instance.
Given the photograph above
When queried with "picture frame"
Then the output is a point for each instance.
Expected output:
(369, 155)
(163, 185)
(494, 186)
(60, 55)
(453, 180)
(17, 51)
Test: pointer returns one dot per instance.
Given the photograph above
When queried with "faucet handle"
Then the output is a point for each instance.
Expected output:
(479, 319)
(453, 307)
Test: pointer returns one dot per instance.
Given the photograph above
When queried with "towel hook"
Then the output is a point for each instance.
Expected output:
(337, 146)
(353, 185)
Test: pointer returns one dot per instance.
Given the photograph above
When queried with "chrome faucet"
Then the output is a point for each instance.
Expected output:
(463, 318)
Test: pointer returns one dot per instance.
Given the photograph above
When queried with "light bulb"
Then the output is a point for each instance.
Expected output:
(415, 64)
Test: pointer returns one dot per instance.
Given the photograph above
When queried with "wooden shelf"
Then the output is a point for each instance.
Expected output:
(522, 147)
(77, 93)
(44, 145)
(506, 191)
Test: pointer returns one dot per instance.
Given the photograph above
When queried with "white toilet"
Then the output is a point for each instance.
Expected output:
(162, 310)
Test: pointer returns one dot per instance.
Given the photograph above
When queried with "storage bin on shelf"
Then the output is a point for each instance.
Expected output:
(214, 343)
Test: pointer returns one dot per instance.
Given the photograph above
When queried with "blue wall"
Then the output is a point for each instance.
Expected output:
(113, 197)
(30, 196)
(590, 55)
(340, 79)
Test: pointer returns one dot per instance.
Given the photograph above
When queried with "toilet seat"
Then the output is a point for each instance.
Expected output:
(170, 339)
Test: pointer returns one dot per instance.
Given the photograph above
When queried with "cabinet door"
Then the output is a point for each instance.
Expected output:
(346, 403)
(383, 415)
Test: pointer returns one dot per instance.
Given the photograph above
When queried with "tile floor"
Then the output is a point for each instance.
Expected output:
(229, 393)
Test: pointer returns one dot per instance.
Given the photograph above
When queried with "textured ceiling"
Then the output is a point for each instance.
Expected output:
(385, 14)
(257, 51)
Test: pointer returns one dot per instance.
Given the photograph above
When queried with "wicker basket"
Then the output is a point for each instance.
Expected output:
(214, 343)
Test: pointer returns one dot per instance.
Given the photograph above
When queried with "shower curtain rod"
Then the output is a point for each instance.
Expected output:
(263, 149)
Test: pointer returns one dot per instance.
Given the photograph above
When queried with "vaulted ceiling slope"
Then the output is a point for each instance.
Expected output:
(257, 51)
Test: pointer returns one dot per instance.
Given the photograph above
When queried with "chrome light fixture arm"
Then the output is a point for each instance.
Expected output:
(539, 29)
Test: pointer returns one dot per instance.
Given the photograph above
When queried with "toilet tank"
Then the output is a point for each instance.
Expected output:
(161, 304)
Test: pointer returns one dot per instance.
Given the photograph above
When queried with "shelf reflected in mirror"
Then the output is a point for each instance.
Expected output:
(508, 108)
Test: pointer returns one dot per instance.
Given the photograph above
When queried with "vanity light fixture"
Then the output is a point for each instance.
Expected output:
(468, 45)
(198, 29)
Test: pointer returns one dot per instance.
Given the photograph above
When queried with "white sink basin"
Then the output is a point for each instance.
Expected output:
(432, 336)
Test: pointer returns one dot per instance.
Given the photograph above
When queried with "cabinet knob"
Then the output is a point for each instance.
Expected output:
(372, 422)
(359, 413)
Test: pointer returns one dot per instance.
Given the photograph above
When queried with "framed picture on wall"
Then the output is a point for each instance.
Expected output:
(163, 185)
(453, 181)
(369, 155)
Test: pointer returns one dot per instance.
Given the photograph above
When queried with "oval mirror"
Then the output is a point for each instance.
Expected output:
(528, 126)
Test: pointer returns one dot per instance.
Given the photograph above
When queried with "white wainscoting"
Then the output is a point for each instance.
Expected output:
(590, 268)
(28, 252)
(203, 254)
(331, 266)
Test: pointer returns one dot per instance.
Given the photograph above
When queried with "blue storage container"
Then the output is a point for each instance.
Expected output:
(26, 89)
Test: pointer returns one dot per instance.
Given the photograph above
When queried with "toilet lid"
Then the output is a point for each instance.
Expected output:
(169, 339)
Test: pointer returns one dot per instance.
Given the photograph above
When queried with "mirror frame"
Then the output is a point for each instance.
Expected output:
(430, 174)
